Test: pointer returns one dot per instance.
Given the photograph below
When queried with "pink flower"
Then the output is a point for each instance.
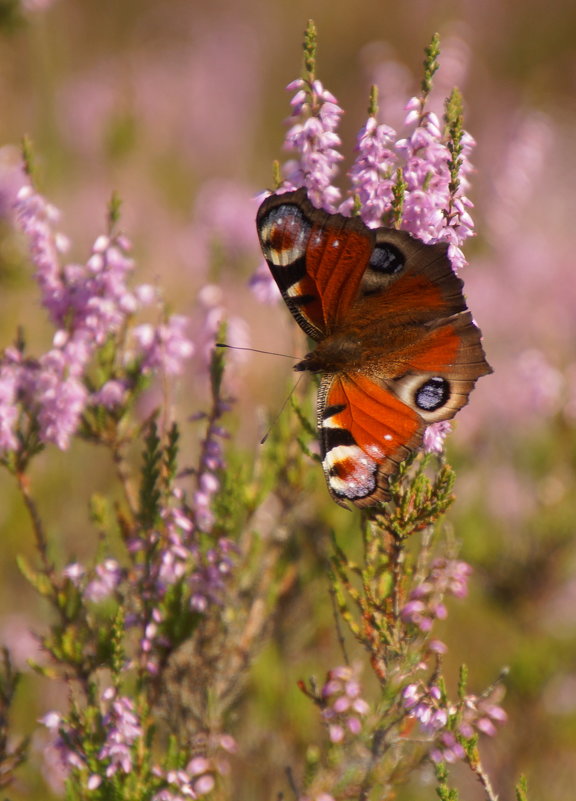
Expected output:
(315, 142)
(110, 394)
(9, 385)
(373, 173)
(108, 576)
(424, 604)
(434, 436)
(123, 730)
(60, 401)
(164, 347)
(344, 708)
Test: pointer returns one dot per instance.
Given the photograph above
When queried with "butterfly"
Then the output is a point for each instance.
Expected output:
(397, 347)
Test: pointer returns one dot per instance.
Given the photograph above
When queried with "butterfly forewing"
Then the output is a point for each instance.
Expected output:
(317, 259)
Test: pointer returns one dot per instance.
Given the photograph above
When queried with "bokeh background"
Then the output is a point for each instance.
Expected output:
(179, 106)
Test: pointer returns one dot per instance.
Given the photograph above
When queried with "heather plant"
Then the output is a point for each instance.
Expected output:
(154, 638)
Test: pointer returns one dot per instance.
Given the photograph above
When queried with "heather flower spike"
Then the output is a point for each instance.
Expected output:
(371, 175)
(312, 135)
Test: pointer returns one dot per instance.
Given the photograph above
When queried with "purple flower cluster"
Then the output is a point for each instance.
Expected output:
(63, 752)
(101, 584)
(88, 304)
(163, 347)
(314, 139)
(372, 174)
(432, 210)
(426, 704)
(425, 601)
(344, 707)
(200, 775)
(449, 724)
(121, 729)
(179, 558)
(211, 462)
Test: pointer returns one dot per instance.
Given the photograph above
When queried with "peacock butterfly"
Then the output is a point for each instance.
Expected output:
(397, 347)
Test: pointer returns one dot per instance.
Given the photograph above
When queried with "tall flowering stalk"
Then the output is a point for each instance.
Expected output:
(163, 576)
(152, 635)
(416, 182)
(392, 601)
(312, 133)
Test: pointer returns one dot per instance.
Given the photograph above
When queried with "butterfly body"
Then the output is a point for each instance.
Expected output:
(396, 345)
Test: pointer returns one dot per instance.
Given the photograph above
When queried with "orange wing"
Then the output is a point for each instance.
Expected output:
(365, 432)
(317, 259)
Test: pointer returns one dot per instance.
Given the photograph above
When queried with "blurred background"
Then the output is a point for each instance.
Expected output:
(180, 105)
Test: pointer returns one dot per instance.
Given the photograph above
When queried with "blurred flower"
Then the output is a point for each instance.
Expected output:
(447, 749)
(425, 604)
(33, 6)
(542, 383)
(434, 436)
(110, 394)
(344, 707)
(482, 715)
(60, 399)
(9, 386)
(264, 287)
(449, 723)
(12, 178)
(213, 309)
(200, 775)
(35, 216)
(75, 572)
(108, 576)
(122, 731)
(164, 347)
(16, 634)
(64, 752)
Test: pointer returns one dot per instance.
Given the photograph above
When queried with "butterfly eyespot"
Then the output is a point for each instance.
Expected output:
(433, 394)
(284, 233)
(387, 259)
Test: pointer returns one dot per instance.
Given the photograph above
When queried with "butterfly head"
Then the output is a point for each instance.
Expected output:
(335, 354)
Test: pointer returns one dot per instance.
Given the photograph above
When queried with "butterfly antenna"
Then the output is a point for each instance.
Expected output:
(255, 350)
(273, 423)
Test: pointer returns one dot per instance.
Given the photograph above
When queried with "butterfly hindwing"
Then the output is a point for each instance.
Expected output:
(443, 369)
(365, 432)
